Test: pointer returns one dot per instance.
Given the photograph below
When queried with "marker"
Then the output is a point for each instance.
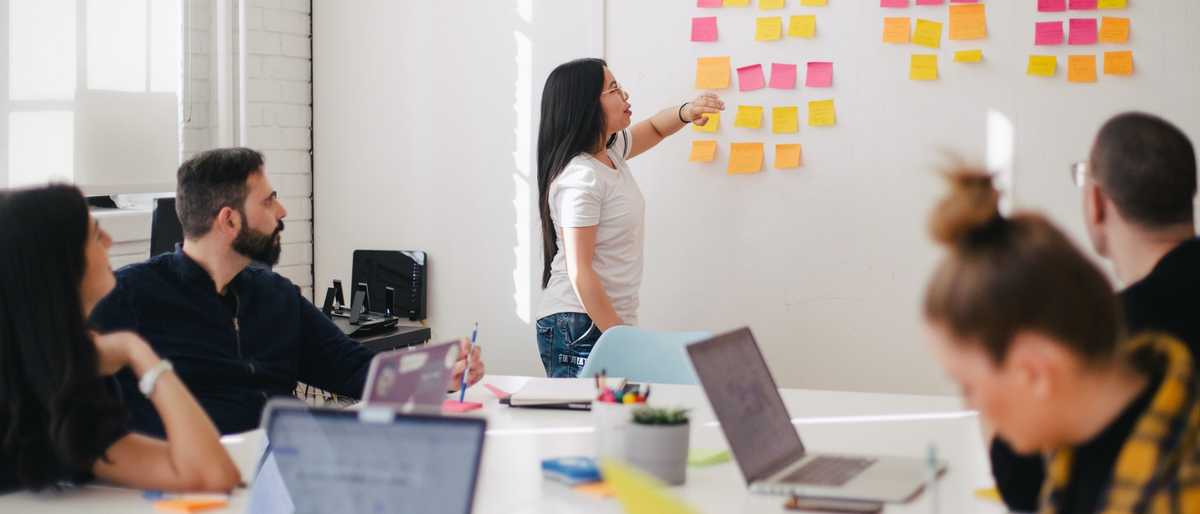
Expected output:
(462, 391)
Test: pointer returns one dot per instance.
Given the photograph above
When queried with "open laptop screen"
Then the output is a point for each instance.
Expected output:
(747, 403)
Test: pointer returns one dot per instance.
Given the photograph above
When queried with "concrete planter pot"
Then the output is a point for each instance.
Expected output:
(661, 450)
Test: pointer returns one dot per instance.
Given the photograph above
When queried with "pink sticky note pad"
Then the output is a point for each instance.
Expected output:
(750, 78)
(457, 406)
(893, 3)
(783, 76)
(1048, 33)
(1083, 31)
(820, 74)
(497, 391)
(704, 29)
(1052, 5)
(930, 2)
(1082, 5)
(708, 3)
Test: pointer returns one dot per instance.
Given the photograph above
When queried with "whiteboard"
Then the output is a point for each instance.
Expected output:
(827, 263)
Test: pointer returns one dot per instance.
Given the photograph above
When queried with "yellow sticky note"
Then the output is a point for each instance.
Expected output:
(769, 29)
(820, 113)
(1081, 68)
(928, 33)
(770, 4)
(714, 118)
(1042, 65)
(735, 3)
(787, 156)
(712, 73)
(802, 26)
(968, 22)
(814, 2)
(895, 30)
(784, 120)
(703, 151)
(968, 56)
(639, 492)
(1111, 4)
(749, 116)
(923, 67)
(745, 158)
(1113, 30)
(1118, 63)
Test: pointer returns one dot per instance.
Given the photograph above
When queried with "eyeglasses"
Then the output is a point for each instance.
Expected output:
(619, 91)
(1079, 173)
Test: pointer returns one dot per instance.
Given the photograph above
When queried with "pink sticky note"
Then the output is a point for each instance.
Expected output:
(704, 29)
(708, 3)
(783, 76)
(750, 78)
(457, 406)
(1083, 31)
(1083, 5)
(1052, 5)
(930, 2)
(893, 3)
(820, 74)
(1048, 33)
(500, 393)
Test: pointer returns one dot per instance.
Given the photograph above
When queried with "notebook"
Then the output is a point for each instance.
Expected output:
(545, 392)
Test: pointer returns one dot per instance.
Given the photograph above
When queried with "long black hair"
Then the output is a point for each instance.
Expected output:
(56, 416)
(572, 123)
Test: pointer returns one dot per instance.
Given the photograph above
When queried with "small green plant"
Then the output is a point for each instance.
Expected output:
(660, 416)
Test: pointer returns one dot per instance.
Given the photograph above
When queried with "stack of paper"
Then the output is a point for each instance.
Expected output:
(555, 391)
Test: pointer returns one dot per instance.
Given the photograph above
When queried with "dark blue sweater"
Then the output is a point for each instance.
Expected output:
(231, 365)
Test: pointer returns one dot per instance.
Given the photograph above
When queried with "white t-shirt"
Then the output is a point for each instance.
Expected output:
(589, 193)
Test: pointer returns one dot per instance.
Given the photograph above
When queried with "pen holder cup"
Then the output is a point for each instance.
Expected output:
(661, 450)
(610, 421)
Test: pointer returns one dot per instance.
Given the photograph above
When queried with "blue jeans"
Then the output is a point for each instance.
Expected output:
(565, 340)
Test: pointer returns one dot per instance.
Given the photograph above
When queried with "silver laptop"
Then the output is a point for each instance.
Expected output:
(411, 380)
(767, 447)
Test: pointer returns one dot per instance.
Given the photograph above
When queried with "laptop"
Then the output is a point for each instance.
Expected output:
(411, 380)
(374, 460)
(767, 447)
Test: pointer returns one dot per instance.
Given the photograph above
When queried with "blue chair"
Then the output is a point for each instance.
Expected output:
(641, 355)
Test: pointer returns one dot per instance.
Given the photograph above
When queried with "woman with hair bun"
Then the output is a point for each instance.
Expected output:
(1032, 333)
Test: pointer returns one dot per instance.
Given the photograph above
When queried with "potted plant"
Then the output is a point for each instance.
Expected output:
(657, 441)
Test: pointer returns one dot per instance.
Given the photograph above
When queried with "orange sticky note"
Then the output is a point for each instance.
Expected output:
(189, 505)
(745, 158)
(923, 67)
(703, 151)
(968, 22)
(712, 73)
(895, 30)
(1041, 65)
(820, 113)
(1114, 30)
(1081, 68)
(597, 490)
(784, 120)
(928, 33)
(1118, 63)
(787, 156)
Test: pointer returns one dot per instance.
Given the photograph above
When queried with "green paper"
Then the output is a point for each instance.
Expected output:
(699, 457)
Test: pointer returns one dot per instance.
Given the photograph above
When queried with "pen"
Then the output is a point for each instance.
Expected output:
(931, 473)
(462, 392)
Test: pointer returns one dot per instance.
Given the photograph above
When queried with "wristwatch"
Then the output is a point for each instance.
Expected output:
(147, 382)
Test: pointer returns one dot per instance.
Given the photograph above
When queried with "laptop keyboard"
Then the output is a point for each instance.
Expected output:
(828, 471)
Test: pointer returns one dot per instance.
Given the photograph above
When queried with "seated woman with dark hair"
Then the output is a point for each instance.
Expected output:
(60, 421)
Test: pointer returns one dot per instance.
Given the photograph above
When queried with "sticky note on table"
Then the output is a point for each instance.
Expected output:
(712, 73)
(708, 3)
(770, 4)
(785, 120)
(750, 77)
(895, 30)
(804, 25)
(1111, 4)
(820, 113)
(1052, 5)
(893, 3)
(1082, 5)
(928, 33)
(817, 3)
(189, 505)
(923, 67)
(968, 56)
(1118, 63)
(638, 491)
(820, 74)
(783, 76)
(703, 151)
(700, 457)
(1114, 30)
(968, 22)
(736, 3)
(786, 156)
(1041, 65)
(714, 119)
(1048, 33)
(704, 29)
(597, 490)
(768, 29)
(460, 407)
(749, 116)
(1081, 68)
(930, 2)
(1083, 31)
(745, 158)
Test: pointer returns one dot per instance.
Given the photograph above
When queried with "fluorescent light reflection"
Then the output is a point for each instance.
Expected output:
(876, 418)
(541, 431)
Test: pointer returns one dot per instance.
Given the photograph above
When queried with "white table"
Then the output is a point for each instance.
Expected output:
(519, 439)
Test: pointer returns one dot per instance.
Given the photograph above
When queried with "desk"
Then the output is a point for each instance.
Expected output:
(518, 439)
(398, 336)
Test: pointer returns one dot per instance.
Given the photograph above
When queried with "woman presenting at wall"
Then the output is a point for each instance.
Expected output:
(592, 212)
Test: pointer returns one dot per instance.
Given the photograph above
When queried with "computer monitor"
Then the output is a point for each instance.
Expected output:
(403, 271)
(165, 230)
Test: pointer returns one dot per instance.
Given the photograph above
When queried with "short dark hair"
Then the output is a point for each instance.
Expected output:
(210, 181)
(1148, 168)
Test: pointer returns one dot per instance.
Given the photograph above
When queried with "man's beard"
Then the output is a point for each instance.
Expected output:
(257, 245)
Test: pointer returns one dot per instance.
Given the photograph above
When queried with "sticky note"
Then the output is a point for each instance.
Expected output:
(802, 26)
(1111, 4)
(968, 56)
(783, 76)
(968, 22)
(500, 393)
(459, 407)
(964, 1)
(750, 77)
(749, 116)
(991, 494)
(704, 29)
(1083, 31)
(1048, 33)
(745, 158)
(1114, 30)
(930, 2)
(816, 3)
(736, 3)
(785, 120)
(1052, 5)
(893, 3)
(770, 4)
(895, 30)
(820, 74)
(928, 33)
(708, 3)
(923, 67)
(820, 113)
(1041, 65)
(714, 119)
(700, 457)
(768, 29)
(1081, 68)
(786, 156)
(703, 151)
(638, 491)
(597, 490)
(1118, 63)
(189, 505)
(1082, 5)
(712, 73)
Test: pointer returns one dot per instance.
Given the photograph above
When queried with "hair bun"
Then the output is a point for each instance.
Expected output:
(971, 205)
